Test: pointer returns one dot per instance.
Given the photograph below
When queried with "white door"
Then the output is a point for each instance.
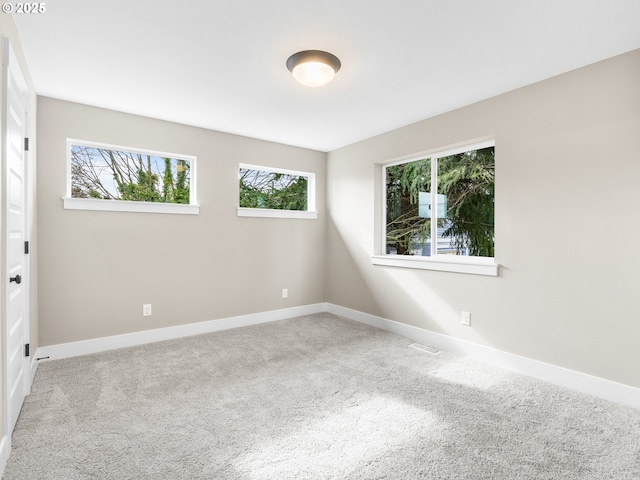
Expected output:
(14, 214)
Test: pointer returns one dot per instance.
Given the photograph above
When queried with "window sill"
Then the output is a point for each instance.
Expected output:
(269, 213)
(474, 265)
(127, 206)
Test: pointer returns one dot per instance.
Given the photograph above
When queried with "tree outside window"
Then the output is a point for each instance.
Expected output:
(110, 174)
(273, 190)
(459, 214)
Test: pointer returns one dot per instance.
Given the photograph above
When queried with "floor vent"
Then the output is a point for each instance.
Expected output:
(424, 348)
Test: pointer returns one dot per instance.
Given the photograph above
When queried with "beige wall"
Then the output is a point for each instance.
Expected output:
(97, 269)
(567, 224)
(8, 31)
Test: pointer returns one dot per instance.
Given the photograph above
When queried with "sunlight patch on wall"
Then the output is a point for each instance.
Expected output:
(415, 291)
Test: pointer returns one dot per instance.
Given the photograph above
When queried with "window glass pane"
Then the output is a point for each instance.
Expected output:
(466, 184)
(408, 208)
(107, 174)
(273, 190)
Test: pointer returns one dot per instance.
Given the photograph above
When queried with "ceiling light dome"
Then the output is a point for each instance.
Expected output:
(313, 68)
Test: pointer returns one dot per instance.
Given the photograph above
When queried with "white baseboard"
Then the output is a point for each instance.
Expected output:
(581, 382)
(598, 387)
(85, 347)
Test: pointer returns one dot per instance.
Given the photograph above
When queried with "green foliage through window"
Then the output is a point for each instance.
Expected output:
(273, 190)
(107, 174)
(464, 205)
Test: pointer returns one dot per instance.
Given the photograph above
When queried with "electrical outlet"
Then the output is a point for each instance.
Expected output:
(466, 319)
(146, 310)
(285, 292)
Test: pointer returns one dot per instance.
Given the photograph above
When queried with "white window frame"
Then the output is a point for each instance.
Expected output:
(310, 213)
(96, 204)
(439, 262)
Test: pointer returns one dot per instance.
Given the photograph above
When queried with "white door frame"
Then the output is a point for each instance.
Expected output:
(10, 63)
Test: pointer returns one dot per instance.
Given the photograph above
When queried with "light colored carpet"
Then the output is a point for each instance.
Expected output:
(316, 397)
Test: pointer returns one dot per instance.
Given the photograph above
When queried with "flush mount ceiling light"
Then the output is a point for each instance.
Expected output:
(313, 68)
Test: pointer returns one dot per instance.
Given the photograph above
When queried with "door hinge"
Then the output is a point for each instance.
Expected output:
(26, 248)
(26, 144)
(26, 349)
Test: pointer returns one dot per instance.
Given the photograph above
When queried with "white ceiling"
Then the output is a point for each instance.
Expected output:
(221, 64)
